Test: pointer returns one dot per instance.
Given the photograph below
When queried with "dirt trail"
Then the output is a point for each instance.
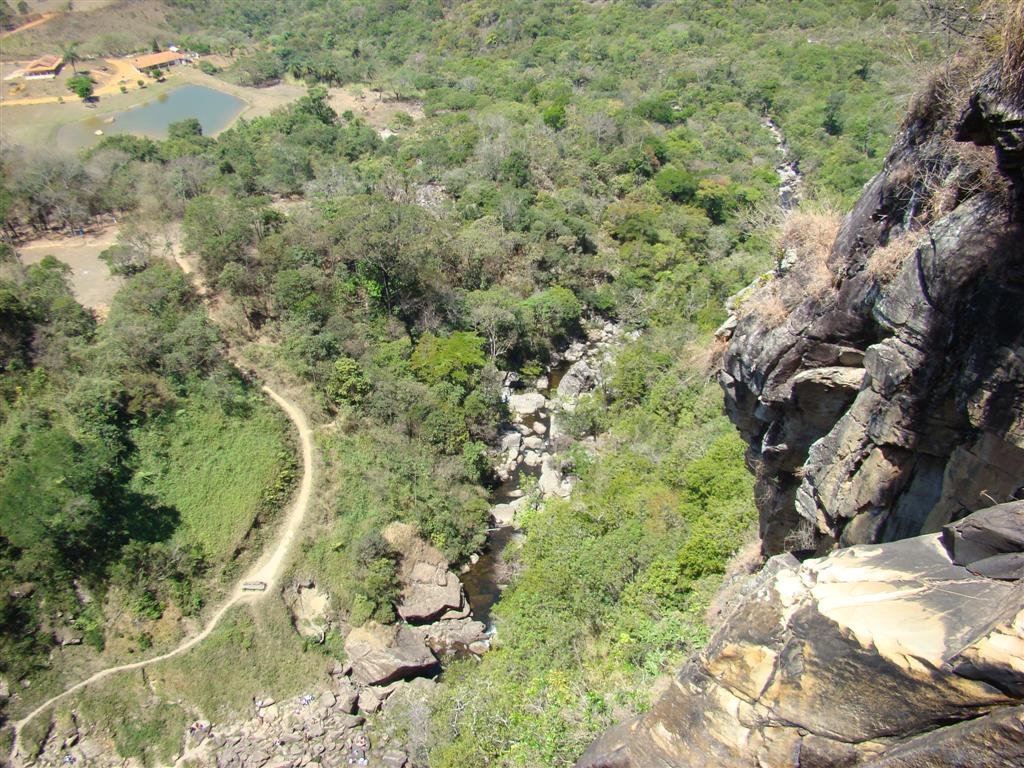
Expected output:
(30, 25)
(267, 569)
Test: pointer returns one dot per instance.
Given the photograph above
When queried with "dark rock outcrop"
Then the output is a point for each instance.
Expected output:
(877, 655)
(894, 403)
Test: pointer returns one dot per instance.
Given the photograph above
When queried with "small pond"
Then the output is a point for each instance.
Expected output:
(214, 109)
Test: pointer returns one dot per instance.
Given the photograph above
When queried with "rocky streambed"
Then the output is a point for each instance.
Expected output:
(528, 459)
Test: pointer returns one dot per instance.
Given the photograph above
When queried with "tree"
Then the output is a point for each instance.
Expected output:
(554, 116)
(69, 52)
(493, 313)
(833, 122)
(676, 184)
(188, 128)
(22, 7)
(393, 247)
(81, 85)
(347, 385)
(455, 358)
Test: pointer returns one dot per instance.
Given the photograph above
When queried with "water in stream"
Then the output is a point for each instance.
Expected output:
(485, 579)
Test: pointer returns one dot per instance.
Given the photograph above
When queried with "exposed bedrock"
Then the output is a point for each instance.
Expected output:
(884, 416)
(877, 655)
(892, 404)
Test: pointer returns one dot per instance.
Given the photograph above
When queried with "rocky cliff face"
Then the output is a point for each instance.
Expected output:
(892, 403)
(880, 405)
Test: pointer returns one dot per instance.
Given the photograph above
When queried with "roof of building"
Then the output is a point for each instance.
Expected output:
(43, 64)
(155, 59)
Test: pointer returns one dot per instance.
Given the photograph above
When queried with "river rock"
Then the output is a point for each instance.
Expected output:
(575, 352)
(533, 443)
(578, 379)
(510, 442)
(382, 654)
(345, 696)
(539, 427)
(452, 634)
(527, 403)
(432, 590)
(503, 514)
(867, 657)
(369, 700)
(532, 458)
(550, 482)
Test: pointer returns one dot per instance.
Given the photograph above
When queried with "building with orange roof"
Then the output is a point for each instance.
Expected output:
(43, 68)
(161, 60)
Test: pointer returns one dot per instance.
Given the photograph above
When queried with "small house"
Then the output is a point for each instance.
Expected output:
(151, 62)
(43, 68)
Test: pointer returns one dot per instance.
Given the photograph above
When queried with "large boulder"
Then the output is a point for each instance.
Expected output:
(578, 379)
(867, 657)
(989, 543)
(527, 403)
(382, 654)
(429, 588)
(431, 591)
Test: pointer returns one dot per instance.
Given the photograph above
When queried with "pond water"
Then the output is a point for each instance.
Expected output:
(214, 109)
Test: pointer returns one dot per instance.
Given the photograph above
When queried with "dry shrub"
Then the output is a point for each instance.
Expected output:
(885, 261)
(805, 240)
(1012, 75)
(945, 93)
(705, 357)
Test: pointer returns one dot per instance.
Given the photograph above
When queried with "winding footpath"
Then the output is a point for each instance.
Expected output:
(267, 569)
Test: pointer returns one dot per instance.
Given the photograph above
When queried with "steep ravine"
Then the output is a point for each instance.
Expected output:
(884, 421)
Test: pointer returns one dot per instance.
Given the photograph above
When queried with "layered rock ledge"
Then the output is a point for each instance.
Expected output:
(875, 656)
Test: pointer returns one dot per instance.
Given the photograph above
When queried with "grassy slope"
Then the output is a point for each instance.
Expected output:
(216, 469)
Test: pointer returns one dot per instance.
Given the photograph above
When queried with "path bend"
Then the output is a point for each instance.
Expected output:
(268, 569)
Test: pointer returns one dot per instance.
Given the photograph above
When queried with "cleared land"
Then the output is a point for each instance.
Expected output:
(91, 281)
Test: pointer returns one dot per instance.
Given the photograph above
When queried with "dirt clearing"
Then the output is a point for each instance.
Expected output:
(91, 281)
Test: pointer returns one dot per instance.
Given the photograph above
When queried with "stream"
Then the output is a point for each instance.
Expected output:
(485, 579)
(788, 169)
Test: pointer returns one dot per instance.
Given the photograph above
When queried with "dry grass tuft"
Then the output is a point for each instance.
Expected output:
(1013, 53)
(805, 241)
(885, 261)
(705, 357)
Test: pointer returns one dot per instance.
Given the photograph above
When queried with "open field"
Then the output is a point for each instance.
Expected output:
(91, 280)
